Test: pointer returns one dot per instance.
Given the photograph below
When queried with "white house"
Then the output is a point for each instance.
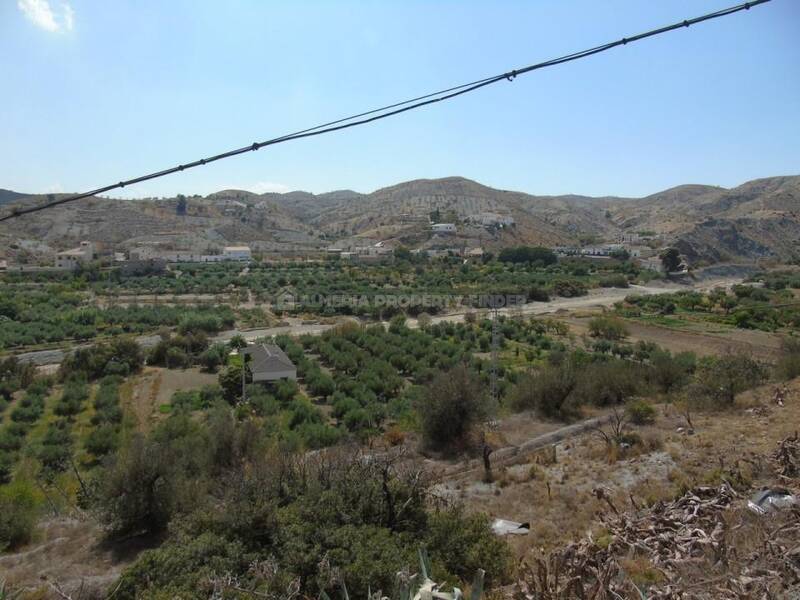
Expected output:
(237, 253)
(70, 259)
(488, 219)
(229, 253)
(443, 228)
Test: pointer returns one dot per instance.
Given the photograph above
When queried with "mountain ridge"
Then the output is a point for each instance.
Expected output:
(708, 223)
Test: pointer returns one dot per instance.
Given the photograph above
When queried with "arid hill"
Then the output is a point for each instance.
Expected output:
(758, 219)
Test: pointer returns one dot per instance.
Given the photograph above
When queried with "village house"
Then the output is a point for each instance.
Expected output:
(443, 228)
(241, 253)
(70, 259)
(267, 362)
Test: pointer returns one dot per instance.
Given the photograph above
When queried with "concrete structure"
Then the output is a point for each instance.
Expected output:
(376, 253)
(70, 259)
(603, 251)
(229, 253)
(489, 219)
(268, 362)
(237, 253)
(443, 228)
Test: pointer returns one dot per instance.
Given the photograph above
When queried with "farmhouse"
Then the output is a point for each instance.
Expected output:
(237, 253)
(443, 228)
(229, 253)
(269, 363)
(70, 259)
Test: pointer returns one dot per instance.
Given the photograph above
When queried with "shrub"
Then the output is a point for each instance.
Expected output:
(568, 288)
(176, 358)
(102, 440)
(6, 466)
(10, 442)
(640, 412)
(19, 506)
(76, 392)
(365, 518)
(788, 366)
(608, 383)
(147, 482)
(670, 373)
(213, 357)
(356, 419)
(608, 328)
(614, 281)
(54, 457)
(549, 391)
(103, 359)
(464, 543)
(538, 294)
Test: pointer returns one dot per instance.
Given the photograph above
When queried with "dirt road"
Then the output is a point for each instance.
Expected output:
(596, 298)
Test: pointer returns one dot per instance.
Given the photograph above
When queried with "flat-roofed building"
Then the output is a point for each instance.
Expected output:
(443, 228)
(237, 253)
(70, 259)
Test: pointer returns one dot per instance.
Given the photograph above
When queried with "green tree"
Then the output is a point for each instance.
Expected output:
(549, 391)
(608, 328)
(670, 260)
(454, 405)
(528, 254)
(719, 380)
(182, 204)
(230, 380)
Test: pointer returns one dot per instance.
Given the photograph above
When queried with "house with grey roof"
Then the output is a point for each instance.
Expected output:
(267, 362)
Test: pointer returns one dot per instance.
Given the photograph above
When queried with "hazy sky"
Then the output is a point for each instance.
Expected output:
(94, 91)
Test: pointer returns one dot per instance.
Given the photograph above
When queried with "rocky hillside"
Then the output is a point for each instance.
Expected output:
(760, 218)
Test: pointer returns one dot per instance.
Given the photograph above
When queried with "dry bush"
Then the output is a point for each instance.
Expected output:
(394, 436)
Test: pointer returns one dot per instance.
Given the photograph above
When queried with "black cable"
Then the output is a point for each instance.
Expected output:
(390, 110)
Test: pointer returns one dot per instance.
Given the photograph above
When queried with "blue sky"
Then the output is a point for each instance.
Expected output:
(96, 91)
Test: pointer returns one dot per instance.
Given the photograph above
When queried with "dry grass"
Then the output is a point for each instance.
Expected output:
(555, 496)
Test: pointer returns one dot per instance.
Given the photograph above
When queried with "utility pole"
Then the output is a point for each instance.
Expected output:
(495, 344)
(244, 372)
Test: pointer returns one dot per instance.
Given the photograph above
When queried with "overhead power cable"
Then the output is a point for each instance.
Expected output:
(389, 110)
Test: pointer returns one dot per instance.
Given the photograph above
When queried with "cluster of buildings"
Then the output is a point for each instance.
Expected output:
(491, 219)
(86, 252)
(375, 253)
(228, 254)
(601, 251)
